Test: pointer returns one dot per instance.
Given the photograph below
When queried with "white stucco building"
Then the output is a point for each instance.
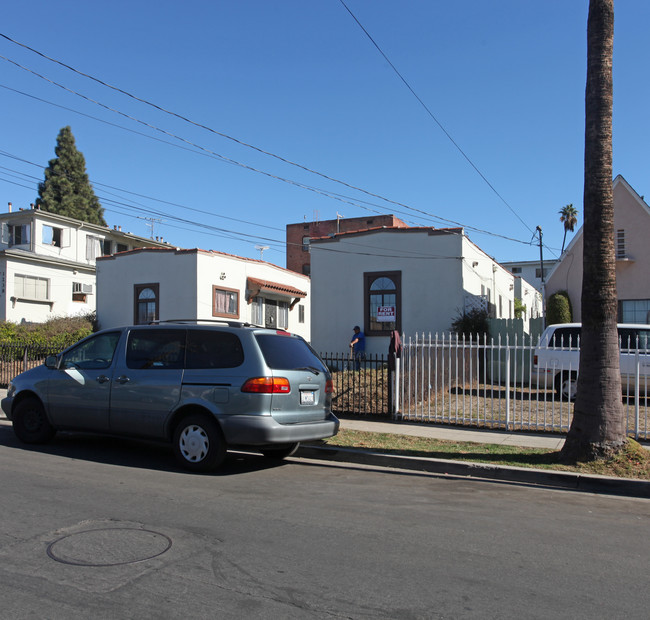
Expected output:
(144, 285)
(47, 263)
(632, 231)
(408, 279)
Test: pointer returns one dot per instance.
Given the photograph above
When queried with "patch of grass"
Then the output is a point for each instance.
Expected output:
(633, 462)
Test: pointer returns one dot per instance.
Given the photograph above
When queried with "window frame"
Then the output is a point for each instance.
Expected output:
(36, 280)
(369, 278)
(224, 289)
(137, 290)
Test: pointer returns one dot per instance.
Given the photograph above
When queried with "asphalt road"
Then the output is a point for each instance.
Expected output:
(105, 528)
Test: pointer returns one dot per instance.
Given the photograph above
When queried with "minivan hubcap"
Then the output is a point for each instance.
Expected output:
(194, 443)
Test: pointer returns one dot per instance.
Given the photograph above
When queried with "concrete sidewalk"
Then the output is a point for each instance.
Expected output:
(451, 433)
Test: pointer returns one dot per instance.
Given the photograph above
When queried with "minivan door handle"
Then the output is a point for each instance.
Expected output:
(122, 379)
(102, 379)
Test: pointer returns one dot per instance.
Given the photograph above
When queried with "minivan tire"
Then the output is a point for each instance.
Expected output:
(199, 444)
(30, 422)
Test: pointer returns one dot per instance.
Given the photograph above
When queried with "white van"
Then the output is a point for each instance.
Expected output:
(557, 358)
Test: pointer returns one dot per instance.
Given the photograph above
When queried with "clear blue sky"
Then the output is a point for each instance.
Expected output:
(301, 80)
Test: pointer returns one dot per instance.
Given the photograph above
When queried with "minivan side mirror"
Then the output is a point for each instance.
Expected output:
(51, 361)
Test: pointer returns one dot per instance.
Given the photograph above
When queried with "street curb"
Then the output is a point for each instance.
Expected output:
(538, 477)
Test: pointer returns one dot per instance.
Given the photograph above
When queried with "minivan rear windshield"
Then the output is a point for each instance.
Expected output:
(288, 353)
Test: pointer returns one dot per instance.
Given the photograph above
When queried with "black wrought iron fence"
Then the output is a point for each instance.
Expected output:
(16, 358)
(360, 386)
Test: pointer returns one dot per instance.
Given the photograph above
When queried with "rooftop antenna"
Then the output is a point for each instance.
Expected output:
(261, 248)
(151, 222)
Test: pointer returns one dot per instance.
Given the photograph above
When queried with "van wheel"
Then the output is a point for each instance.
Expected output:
(30, 422)
(566, 385)
(199, 444)
(281, 452)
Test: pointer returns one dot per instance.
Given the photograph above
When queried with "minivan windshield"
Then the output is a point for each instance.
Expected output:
(288, 353)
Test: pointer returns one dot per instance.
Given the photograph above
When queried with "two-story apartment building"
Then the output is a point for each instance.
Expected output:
(47, 263)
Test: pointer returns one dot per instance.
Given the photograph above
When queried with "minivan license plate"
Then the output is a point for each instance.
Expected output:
(307, 397)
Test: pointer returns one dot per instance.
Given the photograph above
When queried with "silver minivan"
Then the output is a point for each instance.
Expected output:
(202, 387)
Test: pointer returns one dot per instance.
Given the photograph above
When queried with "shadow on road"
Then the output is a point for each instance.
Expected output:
(125, 452)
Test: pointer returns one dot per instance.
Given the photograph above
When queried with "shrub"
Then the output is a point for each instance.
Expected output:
(58, 332)
(471, 324)
(558, 308)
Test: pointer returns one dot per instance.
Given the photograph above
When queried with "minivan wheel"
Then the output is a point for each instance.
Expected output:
(280, 452)
(199, 444)
(566, 385)
(30, 422)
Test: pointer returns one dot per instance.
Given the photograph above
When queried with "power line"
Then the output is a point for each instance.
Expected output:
(228, 160)
(430, 113)
(208, 153)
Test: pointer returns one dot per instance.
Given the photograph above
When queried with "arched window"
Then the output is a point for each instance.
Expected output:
(146, 303)
(383, 301)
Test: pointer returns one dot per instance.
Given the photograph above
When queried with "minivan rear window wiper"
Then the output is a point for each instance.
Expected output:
(310, 369)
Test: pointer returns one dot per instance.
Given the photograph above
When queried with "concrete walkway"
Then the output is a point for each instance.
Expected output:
(451, 433)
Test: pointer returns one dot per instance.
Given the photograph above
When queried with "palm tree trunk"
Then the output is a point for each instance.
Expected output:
(598, 425)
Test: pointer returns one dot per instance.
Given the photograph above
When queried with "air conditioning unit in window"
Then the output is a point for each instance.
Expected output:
(79, 287)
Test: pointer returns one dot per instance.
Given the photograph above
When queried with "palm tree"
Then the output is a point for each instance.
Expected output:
(569, 217)
(598, 427)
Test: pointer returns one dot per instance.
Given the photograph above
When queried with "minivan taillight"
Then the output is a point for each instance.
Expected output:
(267, 385)
(329, 387)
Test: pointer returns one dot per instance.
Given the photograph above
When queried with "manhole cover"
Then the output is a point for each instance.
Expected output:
(109, 547)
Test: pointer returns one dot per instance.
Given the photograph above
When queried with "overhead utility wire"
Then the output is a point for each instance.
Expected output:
(424, 105)
(240, 142)
(209, 153)
(194, 123)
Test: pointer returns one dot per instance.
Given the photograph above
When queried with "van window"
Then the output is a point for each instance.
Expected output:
(288, 352)
(92, 354)
(155, 349)
(631, 338)
(565, 337)
(213, 349)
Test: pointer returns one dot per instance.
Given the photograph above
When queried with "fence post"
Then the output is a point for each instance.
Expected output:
(637, 387)
(24, 359)
(507, 382)
(396, 410)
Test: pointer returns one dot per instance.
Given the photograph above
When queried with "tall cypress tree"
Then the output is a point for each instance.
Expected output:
(66, 189)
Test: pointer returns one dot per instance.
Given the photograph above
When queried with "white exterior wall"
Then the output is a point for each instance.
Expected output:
(175, 274)
(437, 273)
(62, 263)
(186, 279)
(60, 302)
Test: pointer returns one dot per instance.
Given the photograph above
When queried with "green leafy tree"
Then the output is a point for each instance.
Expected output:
(598, 426)
(520, 308)
(569, 217)
(66, 189)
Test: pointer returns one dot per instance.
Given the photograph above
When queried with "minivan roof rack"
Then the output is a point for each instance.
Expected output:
(199, 321)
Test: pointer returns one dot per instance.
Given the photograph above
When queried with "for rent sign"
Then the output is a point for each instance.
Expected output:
(386, 314)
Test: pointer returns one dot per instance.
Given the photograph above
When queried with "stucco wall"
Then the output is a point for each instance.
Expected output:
(631, 214)
(437, 270)
(60, 291)
(186, 279)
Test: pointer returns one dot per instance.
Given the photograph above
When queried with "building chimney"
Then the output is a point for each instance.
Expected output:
(31, 205)
(10, 206)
